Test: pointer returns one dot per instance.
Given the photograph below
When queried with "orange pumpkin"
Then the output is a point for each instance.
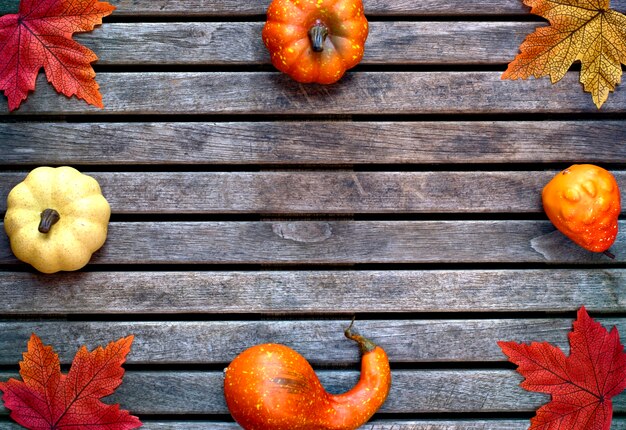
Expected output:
(583, 202)
(315, 40)
(272, 387)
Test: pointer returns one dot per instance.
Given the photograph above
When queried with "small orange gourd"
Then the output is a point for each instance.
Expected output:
(272, 387)
(315, 40)
(583, 202)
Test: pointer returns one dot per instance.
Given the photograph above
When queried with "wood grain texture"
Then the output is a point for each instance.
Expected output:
(313, 292)
(323, 143)
(221, 93)
(230, 43)
(317, 192)
(340, 242)
(372, 7)
(189, 321)
(321, 342)
(201, 392)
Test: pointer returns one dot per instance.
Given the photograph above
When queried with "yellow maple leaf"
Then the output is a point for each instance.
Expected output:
(580, 30)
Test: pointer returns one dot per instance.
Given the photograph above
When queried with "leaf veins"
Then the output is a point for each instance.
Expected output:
(580, 30)
(40, 35)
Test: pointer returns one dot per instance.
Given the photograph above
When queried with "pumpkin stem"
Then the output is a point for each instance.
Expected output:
(365, 344)
(49, 217)
(317, 36)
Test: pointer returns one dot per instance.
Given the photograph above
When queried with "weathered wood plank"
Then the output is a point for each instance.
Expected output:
(379, 424)
(325, 142)
(425, 391)
(321, 342)
(318, 192)
(328, 292)
(340, 242)
(439, 391)
(357, 93)
(226, 43)
(372, 7)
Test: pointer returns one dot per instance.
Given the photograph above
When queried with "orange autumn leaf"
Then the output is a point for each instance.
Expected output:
(40, 35)
(581, 30)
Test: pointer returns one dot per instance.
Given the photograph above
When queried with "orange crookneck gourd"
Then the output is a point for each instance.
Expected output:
(315, 40)
(272, 387)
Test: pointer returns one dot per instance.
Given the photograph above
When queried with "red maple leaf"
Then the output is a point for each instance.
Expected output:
(49, 400)
(40, 35)
(582, 384)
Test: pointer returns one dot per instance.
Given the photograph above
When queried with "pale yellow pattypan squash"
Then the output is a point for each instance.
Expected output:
(56, 218)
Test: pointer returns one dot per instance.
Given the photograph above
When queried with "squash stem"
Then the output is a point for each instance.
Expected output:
(317, 36)
(365, 344)
(49, 217)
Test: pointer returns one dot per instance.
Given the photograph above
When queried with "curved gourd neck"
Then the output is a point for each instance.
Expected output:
(354, 408)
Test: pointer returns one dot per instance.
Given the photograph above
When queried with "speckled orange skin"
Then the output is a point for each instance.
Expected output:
(286, 37)
(583, 202)
(272, 387)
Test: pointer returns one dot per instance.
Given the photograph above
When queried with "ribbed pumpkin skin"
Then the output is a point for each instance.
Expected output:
(272, 387)
(286, 36)
(583, 202)
(80, 230)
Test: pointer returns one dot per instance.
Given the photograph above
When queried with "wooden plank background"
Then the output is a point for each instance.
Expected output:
(249, 208)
